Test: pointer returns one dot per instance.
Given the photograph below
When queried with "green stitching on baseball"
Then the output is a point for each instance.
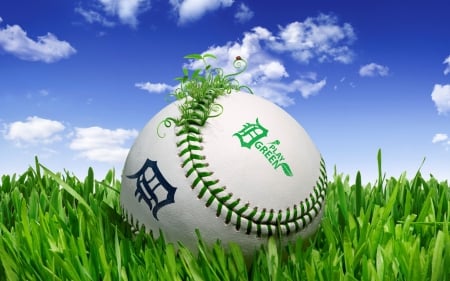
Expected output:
(198, 94)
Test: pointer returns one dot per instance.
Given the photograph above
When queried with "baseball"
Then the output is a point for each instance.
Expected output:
(249, 172)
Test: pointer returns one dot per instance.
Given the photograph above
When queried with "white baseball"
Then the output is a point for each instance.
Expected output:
(250, 172)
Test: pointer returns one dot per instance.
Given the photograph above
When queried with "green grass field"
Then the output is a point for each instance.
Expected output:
(54, 226)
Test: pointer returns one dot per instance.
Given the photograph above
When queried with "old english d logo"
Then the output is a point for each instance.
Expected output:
(251, 133)
(146, 188)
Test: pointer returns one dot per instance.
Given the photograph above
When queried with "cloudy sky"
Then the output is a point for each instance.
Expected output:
(80, 79)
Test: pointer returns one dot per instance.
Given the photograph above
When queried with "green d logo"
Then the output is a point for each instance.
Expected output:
(251, 135)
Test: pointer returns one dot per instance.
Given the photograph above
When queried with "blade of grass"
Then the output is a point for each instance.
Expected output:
(358, 193)
(380, 171)
(437, 264)
(69, 190)
(272, 259)
(189, 264)
(9, 264)
(118, 254)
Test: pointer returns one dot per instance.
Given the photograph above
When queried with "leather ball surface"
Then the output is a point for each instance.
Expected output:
(251, 171)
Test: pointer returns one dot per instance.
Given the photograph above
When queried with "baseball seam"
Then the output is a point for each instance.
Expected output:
(243, 216)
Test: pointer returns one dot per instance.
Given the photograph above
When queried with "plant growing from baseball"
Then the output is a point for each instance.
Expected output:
(225, 162)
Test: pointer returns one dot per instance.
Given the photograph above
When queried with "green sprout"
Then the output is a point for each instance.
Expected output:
(200, 90)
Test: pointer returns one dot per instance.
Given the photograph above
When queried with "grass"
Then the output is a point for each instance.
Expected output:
(54, 226)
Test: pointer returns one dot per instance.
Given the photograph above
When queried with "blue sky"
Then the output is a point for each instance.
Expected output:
(80, 79)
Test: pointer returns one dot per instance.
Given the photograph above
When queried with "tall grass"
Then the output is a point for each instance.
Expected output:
(54, 226)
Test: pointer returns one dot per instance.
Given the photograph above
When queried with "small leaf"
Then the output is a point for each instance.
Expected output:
(195, 74)
(194, 56)
(286, 169)
(181, 79)
(209, 56)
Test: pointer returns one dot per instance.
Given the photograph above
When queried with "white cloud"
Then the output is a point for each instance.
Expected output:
(94, 17)
(308, 88)
(264, 71)
(441, 98)
(279, 92)
(250, 49)
(44, 92)
(373, 69)
(106, 155)
(47, 48)
(155, 87)
(447, 69)
(439, 138)
(192, 10)
(34, 130)
(318, 38)
(103, 145)
(266, 74)
(273, 70)
(47, 153)
(243, 14)
(321, 37)
(126, 10)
